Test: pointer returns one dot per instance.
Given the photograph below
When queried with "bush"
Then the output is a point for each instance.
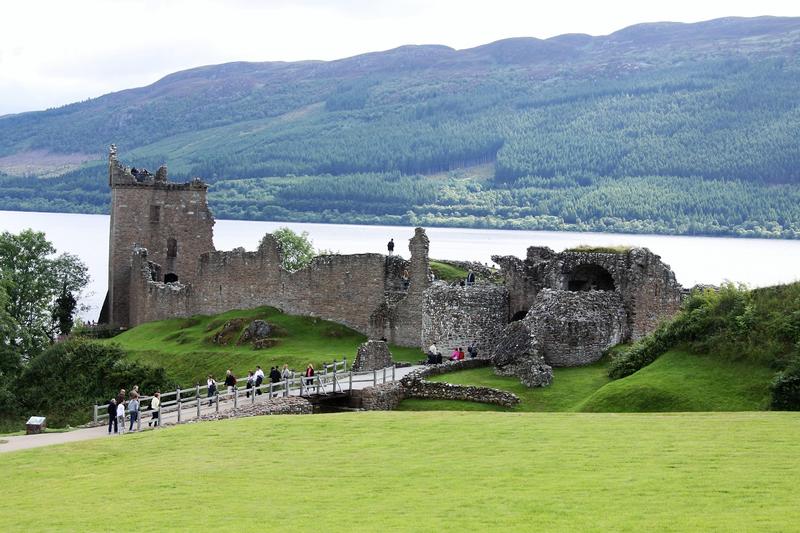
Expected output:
(64, 381)
(786, 390)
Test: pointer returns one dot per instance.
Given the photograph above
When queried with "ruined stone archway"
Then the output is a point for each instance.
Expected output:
(170, 278)
(590, 277)
(519, 315)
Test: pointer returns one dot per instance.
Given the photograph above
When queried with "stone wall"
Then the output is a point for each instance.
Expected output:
(405, 317)
(455, 316)
(171, 220)
(293, 405)
(372, 355)
(383, 397)
(646, 285)
(575, 328)
(415, 385)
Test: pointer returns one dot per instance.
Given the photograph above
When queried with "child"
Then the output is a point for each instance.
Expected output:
(121, 416)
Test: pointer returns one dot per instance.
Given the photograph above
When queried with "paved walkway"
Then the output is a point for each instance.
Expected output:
(188, 412)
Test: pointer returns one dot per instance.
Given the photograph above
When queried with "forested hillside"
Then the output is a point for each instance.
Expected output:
(665, 127)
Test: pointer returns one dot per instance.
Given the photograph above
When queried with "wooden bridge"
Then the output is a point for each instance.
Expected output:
(333, 381)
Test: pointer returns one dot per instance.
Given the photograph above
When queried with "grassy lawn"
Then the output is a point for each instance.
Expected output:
(183, 345)
(677, 381)
(428, 471)
(680, 381)
(571, 386)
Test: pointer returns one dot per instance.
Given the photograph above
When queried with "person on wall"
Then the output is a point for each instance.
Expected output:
(390, 246)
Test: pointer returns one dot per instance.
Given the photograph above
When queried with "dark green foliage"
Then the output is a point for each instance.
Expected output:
(66, 379)
(786, 390)
(64, 311)
(761, 326)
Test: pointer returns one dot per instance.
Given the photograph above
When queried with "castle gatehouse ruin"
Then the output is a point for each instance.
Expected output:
(562, 308)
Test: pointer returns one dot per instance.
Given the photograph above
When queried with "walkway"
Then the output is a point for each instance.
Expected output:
(189, 410)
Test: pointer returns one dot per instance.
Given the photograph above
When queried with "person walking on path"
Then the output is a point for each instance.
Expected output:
(155, 406)
(250, 381)
(112, 416)
(133, 408)
(274, 374)
(259, 379)
(309, 375)
(390, 246)
(121, 415)
(230, 382)
(212, 389)
(286, 374)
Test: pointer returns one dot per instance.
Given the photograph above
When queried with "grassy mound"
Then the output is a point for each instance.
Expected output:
(587, 248)
(678, 381)
(429, 471)
(447, 272)
(185, 347)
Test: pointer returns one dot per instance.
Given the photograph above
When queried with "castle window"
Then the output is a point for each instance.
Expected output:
(155, 213)
(170, 278)
(172, 247)
(590, 277)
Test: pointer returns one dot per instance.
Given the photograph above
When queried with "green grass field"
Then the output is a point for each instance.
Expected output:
(447, 272)
(184, 348)
(677, 381)
(429, 471)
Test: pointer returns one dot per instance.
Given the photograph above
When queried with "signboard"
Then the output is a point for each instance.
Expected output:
(35, 421)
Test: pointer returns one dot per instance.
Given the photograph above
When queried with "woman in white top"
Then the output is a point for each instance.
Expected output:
(121, 416)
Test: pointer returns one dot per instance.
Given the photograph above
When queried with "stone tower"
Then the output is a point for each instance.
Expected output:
(171, 220)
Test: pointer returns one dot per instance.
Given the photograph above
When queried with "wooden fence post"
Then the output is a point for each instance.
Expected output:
(235, 397)
(178, 399)
(374, 377)
(95, 413)
(198, 406)
(216, 400)
(350, 381)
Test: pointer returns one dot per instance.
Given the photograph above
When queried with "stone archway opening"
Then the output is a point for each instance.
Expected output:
(590, 277)
(519, 315)
(170, 278)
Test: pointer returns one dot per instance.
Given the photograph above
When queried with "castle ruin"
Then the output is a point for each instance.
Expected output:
(566, 308)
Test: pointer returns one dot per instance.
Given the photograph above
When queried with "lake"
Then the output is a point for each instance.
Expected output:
(712, 260)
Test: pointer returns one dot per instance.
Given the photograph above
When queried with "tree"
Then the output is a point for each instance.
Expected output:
(33, 279)
(297, 250)
(63, 312)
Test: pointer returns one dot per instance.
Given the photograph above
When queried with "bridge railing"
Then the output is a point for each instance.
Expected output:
(194, 398)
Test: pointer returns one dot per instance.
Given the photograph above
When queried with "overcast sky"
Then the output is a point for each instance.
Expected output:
(61, 51)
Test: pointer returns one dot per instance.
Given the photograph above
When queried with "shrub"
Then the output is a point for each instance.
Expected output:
(786, 389)
(65, 380)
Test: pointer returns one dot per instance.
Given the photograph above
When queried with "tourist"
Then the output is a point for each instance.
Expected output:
(133, 408)
(472, 351)
(460, 353)
(454, 355)
(121, 415)
(390, 246)
(286, 373)
(155, 406)
(406, 279)
(309, 375)
(230, 382)
(274, 374)
(259, 379)
(249, 384)
(112, 416)
(212, 389)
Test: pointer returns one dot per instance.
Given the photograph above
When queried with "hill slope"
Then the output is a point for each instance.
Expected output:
(664, 127)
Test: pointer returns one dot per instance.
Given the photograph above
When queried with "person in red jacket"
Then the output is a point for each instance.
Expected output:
(309, 375)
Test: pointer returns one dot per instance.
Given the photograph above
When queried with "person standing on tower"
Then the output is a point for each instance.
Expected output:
(390, 246)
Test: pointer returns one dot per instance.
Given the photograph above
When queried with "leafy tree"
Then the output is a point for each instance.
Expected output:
(33, 280)
(63, 312)
(297, 250)
(68, 377)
